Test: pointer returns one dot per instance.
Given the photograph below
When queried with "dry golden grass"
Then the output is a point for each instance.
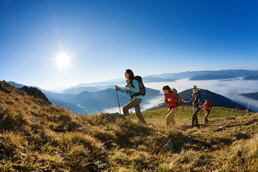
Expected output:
(50, 138)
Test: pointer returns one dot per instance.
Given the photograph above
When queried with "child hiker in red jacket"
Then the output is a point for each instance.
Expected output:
(171, 99)
(207, 107)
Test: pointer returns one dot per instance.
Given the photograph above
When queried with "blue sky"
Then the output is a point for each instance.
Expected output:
(105, 37)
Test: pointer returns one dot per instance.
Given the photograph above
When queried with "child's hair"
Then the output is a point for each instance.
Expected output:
(167, 88)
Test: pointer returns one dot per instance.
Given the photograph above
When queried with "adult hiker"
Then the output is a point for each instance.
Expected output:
(207, 107)
(171, 99)
(136, 90)
(196, 97)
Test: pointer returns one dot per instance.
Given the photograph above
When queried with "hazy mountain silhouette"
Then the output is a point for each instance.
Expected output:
(92, 102)
(251, 77)
(99, 86)
(253, 96)
(16, 84)
(211, 77)
(220, 73)
(79, 89)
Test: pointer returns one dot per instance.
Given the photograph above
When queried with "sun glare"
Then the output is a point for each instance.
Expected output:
(63, 60)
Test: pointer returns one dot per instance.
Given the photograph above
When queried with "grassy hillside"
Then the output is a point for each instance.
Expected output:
(39, 137)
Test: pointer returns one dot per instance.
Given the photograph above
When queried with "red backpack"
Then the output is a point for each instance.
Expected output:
(209, 105)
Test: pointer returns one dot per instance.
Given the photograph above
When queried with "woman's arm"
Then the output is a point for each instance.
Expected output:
(122, 90)
(189, 99)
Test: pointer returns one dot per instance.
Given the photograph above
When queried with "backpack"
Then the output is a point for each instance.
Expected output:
(177, 96)
(141, 86)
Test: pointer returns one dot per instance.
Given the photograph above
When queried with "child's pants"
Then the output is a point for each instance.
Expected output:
(170, 117)
(206, 117)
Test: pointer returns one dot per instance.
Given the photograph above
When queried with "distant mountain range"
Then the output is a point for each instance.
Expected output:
(216, 100)
(90, 102)
(170, 77)
(253, 96)
(211, 77)
(213, 74)
(80, 89)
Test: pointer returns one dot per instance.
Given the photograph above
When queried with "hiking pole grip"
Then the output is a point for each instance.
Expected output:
(118, 102)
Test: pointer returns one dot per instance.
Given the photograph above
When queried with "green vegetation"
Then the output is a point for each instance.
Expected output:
(34, 137)
(186, 112)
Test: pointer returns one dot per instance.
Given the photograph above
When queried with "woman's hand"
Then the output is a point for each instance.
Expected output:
(116, 87)
(127, 88)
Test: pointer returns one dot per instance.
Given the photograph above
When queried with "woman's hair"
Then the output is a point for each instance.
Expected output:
(131, 75)
(167, 88)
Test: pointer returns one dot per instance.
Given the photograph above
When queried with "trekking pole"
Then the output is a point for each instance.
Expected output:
(118, 102)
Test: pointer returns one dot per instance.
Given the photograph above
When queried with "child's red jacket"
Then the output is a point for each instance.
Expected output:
(171, 100)
(207, 106)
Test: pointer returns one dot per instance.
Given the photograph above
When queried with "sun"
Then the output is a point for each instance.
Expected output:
(63, 60)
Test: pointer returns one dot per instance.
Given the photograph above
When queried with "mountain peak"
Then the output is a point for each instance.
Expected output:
(37, 94)
(39, 97)
(6, 87)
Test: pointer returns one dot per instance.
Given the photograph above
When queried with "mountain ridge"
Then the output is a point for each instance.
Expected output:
(251, 77)
(170, 77)
(253, 96)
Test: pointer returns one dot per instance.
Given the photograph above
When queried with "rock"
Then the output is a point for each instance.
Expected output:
(220, 128)
(36, 93)
(201, 161)
(101, 165)
(32, 120)
(170, 146)
(242, 136)
(6, 87)
(40, 97)
(113, 116)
